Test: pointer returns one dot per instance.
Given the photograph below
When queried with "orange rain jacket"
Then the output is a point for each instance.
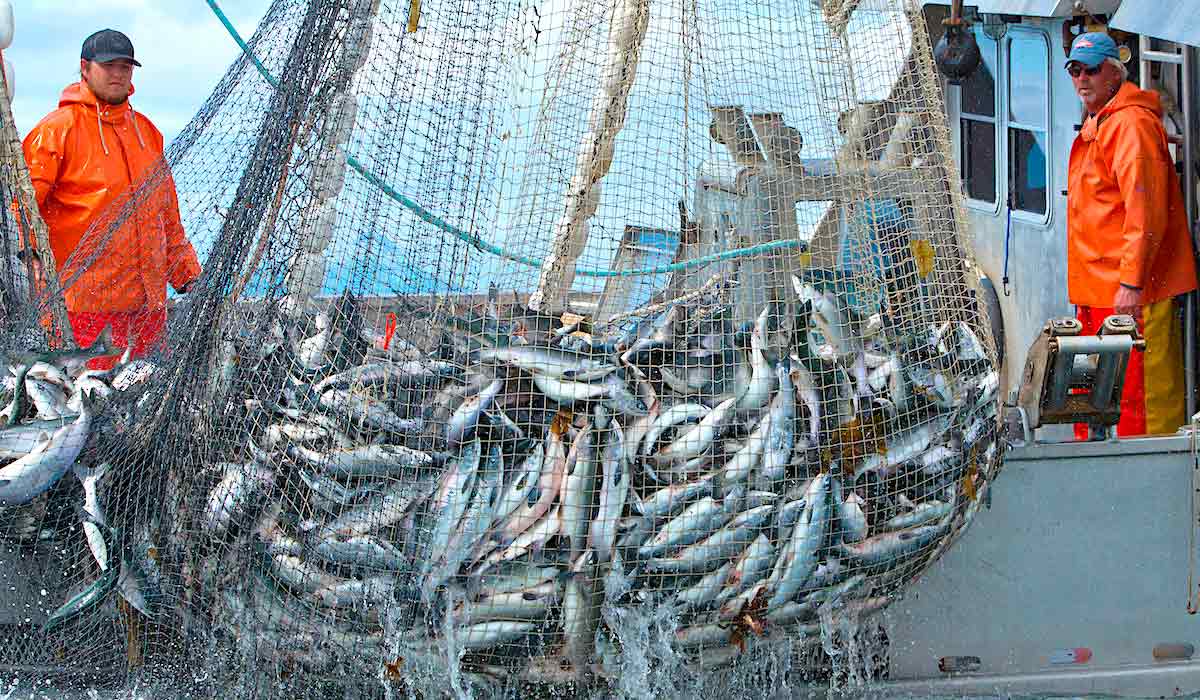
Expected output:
(1126, 222)
(82, 157)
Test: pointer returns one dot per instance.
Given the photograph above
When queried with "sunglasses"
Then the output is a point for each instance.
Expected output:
(1076, 68)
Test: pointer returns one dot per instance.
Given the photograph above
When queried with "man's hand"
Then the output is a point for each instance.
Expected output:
(1128, 301)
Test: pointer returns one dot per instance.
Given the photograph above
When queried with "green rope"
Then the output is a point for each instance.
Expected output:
(475, 241)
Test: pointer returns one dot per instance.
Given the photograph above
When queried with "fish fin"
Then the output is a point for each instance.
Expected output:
(131, 592)
(89, 404)
(104, 341)
(126, 356)
(85, 473)
(87, 517)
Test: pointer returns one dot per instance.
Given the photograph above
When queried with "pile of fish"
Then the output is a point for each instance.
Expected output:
(483, 482)
(52, 406)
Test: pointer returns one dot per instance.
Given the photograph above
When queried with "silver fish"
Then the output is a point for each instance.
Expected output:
(636, 433)
(705, 590)
(467, 416)
(889, 549)
(34, 474)
(852, 522)
(798, 559)
(360, 551)
(527, 604)
(580, 614)
(47, 398)
(451, 502)
(239, 491)
(560, 364)
(52, 375)
(279, 434)
(789, 513)
(16, 408)
(712, 552)
(904, 447)
(510, 577)
(19, 440)
(939, 460)
(810, 396)
(781, 438)
(366, 413)
(489, 634)
(351, 593)
(614, 492)
(712, 634)
(758, 391)
(296, 573)
(579, 492)
(532, 539)
(391, 507)
(699, 439)
(621, 399)
(538, 500)
(389, 374)
(739, 467)
(369, 461)
(749, 568)
(474, 524)
(923, 514)
(523, 481)
(332, 495)
(696, 522)
(680, 413)
(665, 501)
(568, 392)
(92, 524)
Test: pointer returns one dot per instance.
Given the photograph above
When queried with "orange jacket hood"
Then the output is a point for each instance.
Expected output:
(1128, 96)
(85, 160)
(1126, 223)
(80, 94)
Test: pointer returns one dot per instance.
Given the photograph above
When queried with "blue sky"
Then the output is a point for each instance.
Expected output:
(184, 51)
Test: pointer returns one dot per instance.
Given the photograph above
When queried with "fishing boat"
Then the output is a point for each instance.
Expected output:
(1077, 577)
(1080, 577)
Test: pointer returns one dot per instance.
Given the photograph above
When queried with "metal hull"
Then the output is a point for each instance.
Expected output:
(1086, 545)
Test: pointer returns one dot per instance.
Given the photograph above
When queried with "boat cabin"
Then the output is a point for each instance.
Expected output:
(1081, 576)
(1013, 121)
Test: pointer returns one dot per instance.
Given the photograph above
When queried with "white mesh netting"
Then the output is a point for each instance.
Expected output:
(558, 342)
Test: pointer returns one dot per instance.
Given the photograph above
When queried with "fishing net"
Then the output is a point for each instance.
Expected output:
(548, 343)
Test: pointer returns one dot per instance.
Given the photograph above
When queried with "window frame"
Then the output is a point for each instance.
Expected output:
(1047, 131)
(1001, 182)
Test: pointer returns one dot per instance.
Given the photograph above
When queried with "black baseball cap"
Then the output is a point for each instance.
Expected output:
(108, 45)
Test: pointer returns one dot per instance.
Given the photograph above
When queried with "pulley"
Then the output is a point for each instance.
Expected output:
(956, 53)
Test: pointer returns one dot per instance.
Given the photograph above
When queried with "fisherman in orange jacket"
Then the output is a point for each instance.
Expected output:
(1129, 250)
(88, 159)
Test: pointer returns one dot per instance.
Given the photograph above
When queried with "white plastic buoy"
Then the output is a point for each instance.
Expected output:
(10, 78)
(6, 24)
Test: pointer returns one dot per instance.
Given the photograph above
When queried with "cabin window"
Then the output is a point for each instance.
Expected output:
(1028, 103)
(977, 128)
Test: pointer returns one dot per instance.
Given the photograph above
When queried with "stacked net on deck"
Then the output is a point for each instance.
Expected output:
(560, 342)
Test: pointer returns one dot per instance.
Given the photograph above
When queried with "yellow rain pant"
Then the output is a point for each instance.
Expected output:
(1163, 361)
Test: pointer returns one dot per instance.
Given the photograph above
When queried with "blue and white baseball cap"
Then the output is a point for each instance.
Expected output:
(1092, 48)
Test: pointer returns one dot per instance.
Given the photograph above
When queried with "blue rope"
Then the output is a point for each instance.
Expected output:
(479, 243)
(1007, 238)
